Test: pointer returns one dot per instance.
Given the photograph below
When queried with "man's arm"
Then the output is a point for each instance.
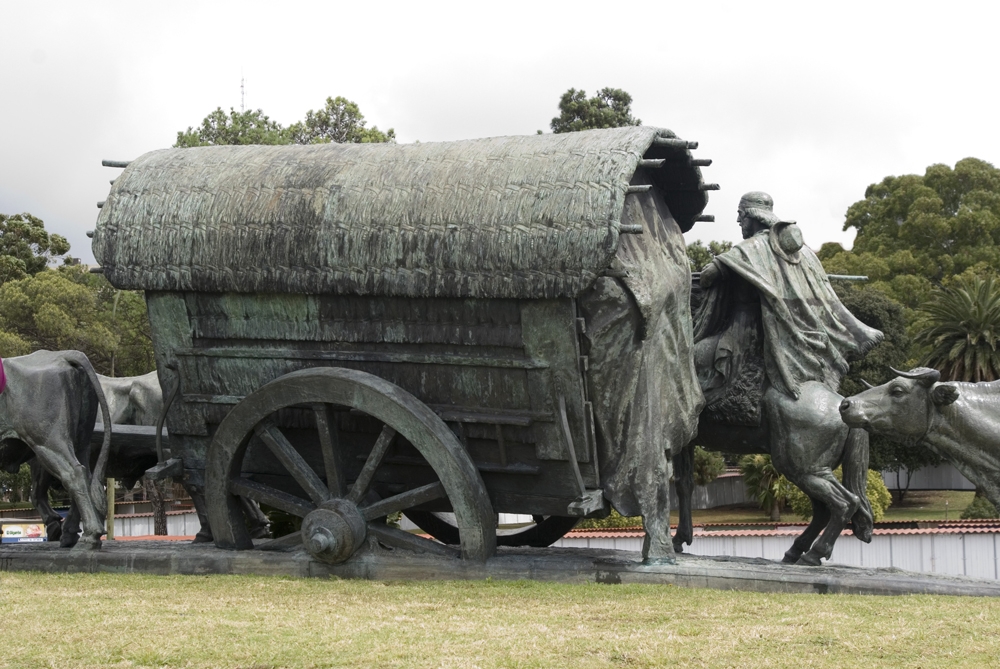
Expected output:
(712, 273)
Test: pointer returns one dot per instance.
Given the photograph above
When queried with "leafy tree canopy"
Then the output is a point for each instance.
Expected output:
(72, 309)
(700, 255)
(914, 232)
(26, 248)
(610, 108)
(249, 127)
(339, 121)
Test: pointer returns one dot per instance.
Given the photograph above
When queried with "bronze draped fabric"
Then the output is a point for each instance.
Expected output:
(641, 372)
(808, 335)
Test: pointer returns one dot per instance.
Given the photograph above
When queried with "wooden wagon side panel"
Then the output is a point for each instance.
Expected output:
(494, 369)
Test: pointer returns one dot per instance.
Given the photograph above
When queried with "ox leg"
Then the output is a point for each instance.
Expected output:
(197, 493)
(41, 481)
(684, 480)
(841, 504)
(71, 527)
(257, 523)
(76, 480)
(820, 519)
(93, 524)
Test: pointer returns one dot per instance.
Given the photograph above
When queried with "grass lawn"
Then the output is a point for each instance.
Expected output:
(82, 620)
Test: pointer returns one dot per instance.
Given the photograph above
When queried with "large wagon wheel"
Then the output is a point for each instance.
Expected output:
(542, 532)
(336, 516)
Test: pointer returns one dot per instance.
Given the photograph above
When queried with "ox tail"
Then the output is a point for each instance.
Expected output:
(855, 467)
(97, 493)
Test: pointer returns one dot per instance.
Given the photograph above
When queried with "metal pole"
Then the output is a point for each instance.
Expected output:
(111, 509)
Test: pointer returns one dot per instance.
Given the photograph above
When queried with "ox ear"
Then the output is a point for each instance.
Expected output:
(944, 393)
(925, 376)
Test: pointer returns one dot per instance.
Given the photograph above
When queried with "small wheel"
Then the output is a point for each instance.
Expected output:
(283, 446)
(544, 531)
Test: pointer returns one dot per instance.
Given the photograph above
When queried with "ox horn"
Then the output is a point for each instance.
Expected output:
(867, 385)
(925, 375)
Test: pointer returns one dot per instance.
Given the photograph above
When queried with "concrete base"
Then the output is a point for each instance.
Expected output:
(568, 565)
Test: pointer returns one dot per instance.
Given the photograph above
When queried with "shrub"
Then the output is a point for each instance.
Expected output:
(614, 520)
(707, 465)
(878, 496)
(980, 508)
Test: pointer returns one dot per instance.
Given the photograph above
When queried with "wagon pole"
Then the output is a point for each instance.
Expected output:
(696, 277)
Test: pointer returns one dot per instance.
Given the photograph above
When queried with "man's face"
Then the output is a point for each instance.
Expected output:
(747, 224)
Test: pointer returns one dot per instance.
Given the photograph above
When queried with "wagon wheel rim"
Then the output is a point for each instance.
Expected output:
(337, 516)
(545, 530)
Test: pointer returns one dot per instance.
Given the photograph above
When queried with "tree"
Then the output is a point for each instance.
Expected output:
(610, 108)
(764, 483)
(26, 248)
(340, 121)
(700, 255)
(707, 465)
(247, 127)
(72, 309)
(915, 232)
(961, 329)
(16, 486)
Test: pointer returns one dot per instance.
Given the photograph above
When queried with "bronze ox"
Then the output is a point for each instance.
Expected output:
(132, 400)
(47, 410)
(958, 421)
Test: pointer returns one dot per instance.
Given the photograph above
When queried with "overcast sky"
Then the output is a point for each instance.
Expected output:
(811, 102)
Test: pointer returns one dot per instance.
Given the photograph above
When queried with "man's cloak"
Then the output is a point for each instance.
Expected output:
(808, 334)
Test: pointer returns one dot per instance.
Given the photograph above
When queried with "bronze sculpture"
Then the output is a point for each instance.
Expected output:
(958, 421)
(471, 326)
(772, 342)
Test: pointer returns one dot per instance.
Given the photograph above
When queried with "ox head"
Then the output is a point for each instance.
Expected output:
(901, 409)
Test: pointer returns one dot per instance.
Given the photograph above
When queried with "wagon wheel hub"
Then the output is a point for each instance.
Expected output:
(334, 531)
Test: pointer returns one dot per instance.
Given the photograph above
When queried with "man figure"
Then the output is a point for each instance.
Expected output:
(770, 314)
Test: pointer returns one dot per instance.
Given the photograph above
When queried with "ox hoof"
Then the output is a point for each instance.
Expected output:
(87, 544)
(68, 540)
(810, 560)
(791, 557)
(679, 547)
(203, 537)
(53, 530)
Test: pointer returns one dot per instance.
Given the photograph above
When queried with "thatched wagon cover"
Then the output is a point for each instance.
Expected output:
(520, 217)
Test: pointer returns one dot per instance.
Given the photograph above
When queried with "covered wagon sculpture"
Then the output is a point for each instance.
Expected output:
(471, 327)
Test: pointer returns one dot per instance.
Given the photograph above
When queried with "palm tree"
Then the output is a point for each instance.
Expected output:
(764, 483)
(963, 331)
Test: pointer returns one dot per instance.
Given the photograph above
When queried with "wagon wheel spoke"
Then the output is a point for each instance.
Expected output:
(261, 492)
(364, 480)
(394, 538)
(296, 465)
(329, 443)
(405, 500)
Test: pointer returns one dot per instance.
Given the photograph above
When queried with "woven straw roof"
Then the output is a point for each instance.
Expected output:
(534, 216)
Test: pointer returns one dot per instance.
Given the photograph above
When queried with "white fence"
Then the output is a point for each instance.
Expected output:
(179, 523)
(942, 477)
(967, 552)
